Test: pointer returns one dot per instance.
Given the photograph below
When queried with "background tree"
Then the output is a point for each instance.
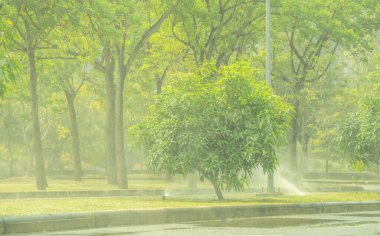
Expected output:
(124, 61)
(218, 31)
(32, 22)
(358, 134)
(313, 33)
(69, 79)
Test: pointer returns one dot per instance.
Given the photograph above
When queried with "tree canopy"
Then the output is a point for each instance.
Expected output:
(219, 123)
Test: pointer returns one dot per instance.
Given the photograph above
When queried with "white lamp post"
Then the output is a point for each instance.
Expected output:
(268, 78)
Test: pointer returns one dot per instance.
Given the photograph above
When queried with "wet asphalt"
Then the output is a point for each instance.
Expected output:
(344, 224)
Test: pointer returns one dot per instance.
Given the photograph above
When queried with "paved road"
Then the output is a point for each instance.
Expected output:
(353, 223)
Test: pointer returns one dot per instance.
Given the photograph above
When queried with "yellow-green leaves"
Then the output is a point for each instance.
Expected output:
(219, 123)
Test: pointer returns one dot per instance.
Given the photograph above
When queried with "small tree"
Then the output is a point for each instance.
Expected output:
(221, 124)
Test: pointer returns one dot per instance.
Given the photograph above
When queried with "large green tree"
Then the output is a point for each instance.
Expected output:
(220, 124)
(31, 25)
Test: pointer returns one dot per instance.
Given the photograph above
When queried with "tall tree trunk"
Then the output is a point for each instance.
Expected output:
(75, 135)
(110, 151)
(293, 140)
(119, 127)
(124, 69)
(37, 145)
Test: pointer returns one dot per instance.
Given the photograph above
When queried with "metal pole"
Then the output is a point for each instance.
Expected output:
(268, 58)
(268, 78)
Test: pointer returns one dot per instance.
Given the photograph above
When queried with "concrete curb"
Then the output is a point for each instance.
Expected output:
(69, 221)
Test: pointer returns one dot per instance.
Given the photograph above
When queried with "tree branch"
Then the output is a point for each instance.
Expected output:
(238, 5)
(81, 83)
(20, 45)
(98, 65)
(294, 49)
(327, 66)
(177, 37)
(149, 33)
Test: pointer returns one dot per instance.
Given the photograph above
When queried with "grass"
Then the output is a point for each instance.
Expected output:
(59, 205)
(43, 206)
(27, 184)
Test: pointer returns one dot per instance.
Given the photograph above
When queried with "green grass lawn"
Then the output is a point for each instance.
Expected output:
(9, 207)
(59, 205)
(27, 184)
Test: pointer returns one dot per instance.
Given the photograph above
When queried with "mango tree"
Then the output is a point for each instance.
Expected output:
(220, 124)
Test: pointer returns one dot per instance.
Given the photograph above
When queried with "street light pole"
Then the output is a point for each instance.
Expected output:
(268, 78)
(268, 58)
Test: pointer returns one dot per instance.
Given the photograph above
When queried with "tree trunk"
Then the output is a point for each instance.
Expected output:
(217, 189)
(327, 166)
(124, 69)
(37, 145)
(120, 151)
(119, 125)
(31, 161)
(160, 80)
(293, 140)
(110, 121)
(304, 145)
(74, 135)
(10, 158)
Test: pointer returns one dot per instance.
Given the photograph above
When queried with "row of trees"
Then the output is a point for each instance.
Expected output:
(100, 63)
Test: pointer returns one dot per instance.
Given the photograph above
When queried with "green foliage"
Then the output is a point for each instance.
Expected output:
(358, 166)
(8, 70)
(218, 31)
(359, 134)
(219, 123)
